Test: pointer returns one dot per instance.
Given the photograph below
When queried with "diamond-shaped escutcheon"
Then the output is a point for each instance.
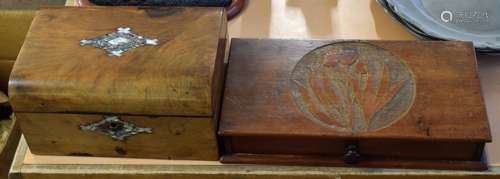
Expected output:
(124, 39)
(115, 128)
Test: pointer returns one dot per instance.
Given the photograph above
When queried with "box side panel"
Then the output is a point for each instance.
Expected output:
(421, 150)
(424, 150)
(219, 68)
(169, 137)
(337, 162)
(286, 146)
(220, 74)
(372, 153)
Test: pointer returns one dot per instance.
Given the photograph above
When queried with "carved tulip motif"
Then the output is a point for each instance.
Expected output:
(352, 87)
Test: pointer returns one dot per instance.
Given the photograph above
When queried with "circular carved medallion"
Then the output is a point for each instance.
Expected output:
(352, 87)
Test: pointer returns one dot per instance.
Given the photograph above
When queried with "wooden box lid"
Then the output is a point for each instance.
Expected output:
(296, 96)
(174, 72)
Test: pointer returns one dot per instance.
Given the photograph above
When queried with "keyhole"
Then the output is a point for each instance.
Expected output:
(114, 126)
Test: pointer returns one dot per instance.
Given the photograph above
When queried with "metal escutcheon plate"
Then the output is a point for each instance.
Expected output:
(116, 43)
(115, 128)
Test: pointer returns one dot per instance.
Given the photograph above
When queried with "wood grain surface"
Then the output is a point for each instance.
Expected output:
(347, 19)
(171, 137)
(448, 105)
(174, 88)
(447, 120)
(53, 73)
(319, 19)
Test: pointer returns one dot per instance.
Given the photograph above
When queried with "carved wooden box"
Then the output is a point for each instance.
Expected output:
(405, 104)
(121, 82)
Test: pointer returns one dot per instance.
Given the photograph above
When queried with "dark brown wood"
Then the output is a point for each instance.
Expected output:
(430, 150)
(174, 89)
(418, 101)
(333, 161)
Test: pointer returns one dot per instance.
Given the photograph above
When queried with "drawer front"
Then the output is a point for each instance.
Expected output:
(380, 153)
(187, 138)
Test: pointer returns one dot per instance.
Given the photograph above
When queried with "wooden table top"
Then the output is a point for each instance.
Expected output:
(324, 19)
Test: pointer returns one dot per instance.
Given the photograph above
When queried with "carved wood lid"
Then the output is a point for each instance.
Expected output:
(140, 61)
(353, 90)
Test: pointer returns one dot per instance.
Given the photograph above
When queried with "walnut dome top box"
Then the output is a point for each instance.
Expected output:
(121, 81)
